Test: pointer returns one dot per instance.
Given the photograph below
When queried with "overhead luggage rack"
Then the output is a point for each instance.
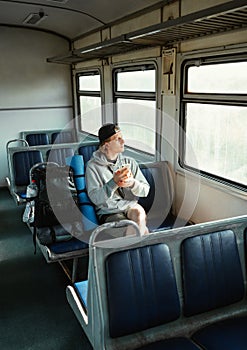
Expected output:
(100, 50)
(221, 18)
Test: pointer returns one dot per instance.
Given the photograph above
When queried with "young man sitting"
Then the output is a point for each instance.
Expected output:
(115, 182)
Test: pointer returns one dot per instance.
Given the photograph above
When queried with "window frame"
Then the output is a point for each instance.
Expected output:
(224, 99)
(140, 95)
(89, 93)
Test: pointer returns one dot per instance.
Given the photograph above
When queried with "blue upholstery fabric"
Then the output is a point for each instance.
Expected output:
(81, 289)
(62, 137)
(37, 139)
(226, 335)
(212, 272)
(77, 164)
(59, 155)
(89, 218)
(87, 150)
(67, 246)
(171, 344)
(141, 289)
(22, 163)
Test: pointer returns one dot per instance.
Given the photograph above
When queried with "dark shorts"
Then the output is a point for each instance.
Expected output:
(112, 217)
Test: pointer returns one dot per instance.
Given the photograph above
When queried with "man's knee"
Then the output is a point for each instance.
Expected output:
(137, 213)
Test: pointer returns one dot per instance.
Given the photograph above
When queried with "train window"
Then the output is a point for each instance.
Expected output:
(229, 78)
(214, 115)
(89, 100)
(135, 98)
(143, 80)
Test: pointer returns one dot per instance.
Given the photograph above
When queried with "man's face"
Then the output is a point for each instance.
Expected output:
(116, 143)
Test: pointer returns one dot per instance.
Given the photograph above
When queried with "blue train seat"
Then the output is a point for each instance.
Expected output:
(77, 246)
(59, 155)
(216, 279)
(89, 218)
(63, 137)
(22, 162)
(131, 290)
(87, 150)
(178, 289)
(74, 248)
(158, 203)
(135, 297)
(140, 296)
(213, 278)
(37, 139)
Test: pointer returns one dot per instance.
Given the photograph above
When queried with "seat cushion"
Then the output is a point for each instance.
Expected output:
(228, 335)
(67, 246)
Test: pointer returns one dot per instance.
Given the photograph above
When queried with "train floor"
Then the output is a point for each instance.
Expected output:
(34, 312)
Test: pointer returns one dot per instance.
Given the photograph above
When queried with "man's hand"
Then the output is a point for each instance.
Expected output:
(123, 177)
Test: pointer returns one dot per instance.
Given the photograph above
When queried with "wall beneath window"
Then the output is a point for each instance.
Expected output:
(34, 94)
(206, 200)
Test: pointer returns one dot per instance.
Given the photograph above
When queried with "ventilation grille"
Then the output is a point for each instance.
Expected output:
(35, 18)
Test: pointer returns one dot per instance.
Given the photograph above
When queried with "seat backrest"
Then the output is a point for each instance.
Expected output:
(63, 137)
(37, 139)
(59, 155)
(161, 187)
(158, 203)
(141, 289)
(23, 161)
(212, 274)
(89, 217)
(87, 150)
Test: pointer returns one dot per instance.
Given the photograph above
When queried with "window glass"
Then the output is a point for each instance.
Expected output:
(135, 98)
(91, 116)
(215, 119)
(143, 80)
(89, 83)
(89, 99)
(217, 134)
(229, 78)
(136, 119)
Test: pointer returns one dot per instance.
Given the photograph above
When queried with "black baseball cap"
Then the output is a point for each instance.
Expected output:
(107, 131)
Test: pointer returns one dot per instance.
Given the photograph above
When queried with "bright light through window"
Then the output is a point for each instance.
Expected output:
(89, 96)
(135, 96)
(137, 121)
(218, 137)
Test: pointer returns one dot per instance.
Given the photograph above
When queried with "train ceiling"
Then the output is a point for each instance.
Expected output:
(71, 18)
(217, 19)
(75, 18)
